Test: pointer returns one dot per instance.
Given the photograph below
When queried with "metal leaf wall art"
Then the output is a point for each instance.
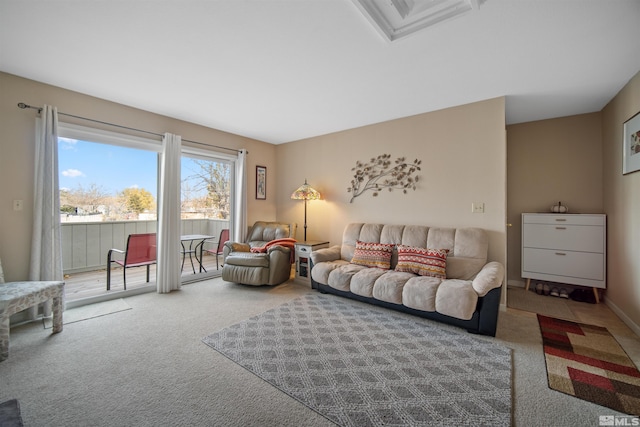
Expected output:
(380, 173)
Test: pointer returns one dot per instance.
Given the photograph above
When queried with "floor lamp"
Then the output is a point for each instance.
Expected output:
(305, 192)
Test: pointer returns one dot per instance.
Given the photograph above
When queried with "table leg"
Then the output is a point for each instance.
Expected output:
(4, 336)
(190, 257)
(201, 244)
(57, 315)
(526, 288)
(184, 251)
(597, 295)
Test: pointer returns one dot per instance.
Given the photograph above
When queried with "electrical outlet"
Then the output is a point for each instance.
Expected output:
(477, 207)
(17, 205)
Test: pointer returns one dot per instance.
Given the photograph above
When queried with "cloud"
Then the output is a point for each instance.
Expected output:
(67, 143)
(72, 173)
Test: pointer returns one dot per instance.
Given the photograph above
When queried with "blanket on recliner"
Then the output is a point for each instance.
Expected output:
(287, 242)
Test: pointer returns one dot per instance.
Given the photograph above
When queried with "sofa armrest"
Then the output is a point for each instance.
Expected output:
(490, 277)
(325, 254)
(237, 247)
(278, 248)
(233, 247)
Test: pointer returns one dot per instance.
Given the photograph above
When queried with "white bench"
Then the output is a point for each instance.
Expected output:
(18, 296)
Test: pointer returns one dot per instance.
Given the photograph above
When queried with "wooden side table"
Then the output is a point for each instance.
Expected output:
(303, 254)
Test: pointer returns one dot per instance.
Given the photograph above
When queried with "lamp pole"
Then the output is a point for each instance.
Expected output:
(305, 219)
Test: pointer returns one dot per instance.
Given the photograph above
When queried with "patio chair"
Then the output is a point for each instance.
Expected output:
(224, 237)
(141, 250)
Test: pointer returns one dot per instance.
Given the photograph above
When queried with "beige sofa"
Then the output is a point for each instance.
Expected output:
(268, 268)
(469, 295)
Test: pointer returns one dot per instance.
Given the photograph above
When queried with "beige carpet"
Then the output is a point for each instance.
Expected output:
(90, 311)
(547, 305)
(148, 366)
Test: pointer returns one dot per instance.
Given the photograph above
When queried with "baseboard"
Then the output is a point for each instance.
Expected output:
(514, 283)
(627, 321)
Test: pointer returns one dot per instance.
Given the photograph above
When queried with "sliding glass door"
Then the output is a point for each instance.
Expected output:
(206, 211)
(109, 190)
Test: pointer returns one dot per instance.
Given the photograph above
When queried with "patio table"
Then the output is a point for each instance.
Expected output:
(199, 240)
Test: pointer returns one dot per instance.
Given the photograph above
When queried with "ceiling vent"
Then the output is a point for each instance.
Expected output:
(395, 19)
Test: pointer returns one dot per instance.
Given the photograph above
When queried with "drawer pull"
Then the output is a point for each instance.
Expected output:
(560, 253)
(561, 228)
(303, 249)
(561, 219)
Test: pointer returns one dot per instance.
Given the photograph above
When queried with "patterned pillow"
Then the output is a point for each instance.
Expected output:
(421, 261)
(373, 255)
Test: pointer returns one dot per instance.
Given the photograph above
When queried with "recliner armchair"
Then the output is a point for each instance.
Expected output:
(268, 268)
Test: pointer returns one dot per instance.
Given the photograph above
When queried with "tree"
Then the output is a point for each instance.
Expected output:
(214, 178)
(84, 200)
(137, 200)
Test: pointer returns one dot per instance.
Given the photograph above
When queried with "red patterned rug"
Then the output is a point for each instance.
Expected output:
(587, 362)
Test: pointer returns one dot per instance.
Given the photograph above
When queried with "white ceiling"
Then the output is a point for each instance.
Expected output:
(284, 70)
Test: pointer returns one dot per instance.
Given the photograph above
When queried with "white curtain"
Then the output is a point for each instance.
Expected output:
(46, 247)
(240, 211)
(168, 275)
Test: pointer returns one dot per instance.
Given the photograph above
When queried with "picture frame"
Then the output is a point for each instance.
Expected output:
(631, 145)
(261, 182)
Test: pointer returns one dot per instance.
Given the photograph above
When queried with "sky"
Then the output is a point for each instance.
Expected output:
(111, 168)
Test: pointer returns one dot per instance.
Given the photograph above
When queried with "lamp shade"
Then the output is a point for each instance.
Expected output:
(305, 192)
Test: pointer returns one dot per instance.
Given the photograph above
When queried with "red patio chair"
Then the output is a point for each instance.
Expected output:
(224, 237)
(141, 250)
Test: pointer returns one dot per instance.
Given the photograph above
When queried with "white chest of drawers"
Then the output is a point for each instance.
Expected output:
(565, 248)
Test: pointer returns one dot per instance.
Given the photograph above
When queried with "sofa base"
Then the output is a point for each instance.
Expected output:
(484, 320)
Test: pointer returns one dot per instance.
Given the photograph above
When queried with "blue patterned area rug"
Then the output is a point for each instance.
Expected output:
(357, 364)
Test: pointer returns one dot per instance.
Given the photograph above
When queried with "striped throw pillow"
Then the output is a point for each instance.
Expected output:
(373, 254)
(422, 261)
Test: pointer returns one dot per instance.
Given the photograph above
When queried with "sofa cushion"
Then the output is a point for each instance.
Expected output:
(456, 298)
(389, 286)
(469, 254)
(248, 259)
(422, 261)
(420, 293)
(340, 277)
(263, 231)
(321, 270)
(373, 254)
(362, 282)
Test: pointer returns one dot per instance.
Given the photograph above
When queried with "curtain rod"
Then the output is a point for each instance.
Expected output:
(23, 106)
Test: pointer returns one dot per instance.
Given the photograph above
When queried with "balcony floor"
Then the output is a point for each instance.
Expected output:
(90, 284)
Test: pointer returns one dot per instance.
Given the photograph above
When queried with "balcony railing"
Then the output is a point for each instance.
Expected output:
(85, 244)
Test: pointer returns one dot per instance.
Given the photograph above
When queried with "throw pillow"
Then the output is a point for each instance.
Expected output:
(422, 261)
(373, 254)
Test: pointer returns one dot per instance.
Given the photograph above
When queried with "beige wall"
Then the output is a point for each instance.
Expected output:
(622, 206)
(16, 156)
(463, 153)
(550, 161)
(464, 156)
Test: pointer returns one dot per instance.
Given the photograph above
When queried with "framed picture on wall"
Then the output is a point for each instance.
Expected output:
(261, 182)
(631, 145)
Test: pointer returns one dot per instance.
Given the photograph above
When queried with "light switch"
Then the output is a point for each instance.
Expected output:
(477, 207)
(17, 205)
